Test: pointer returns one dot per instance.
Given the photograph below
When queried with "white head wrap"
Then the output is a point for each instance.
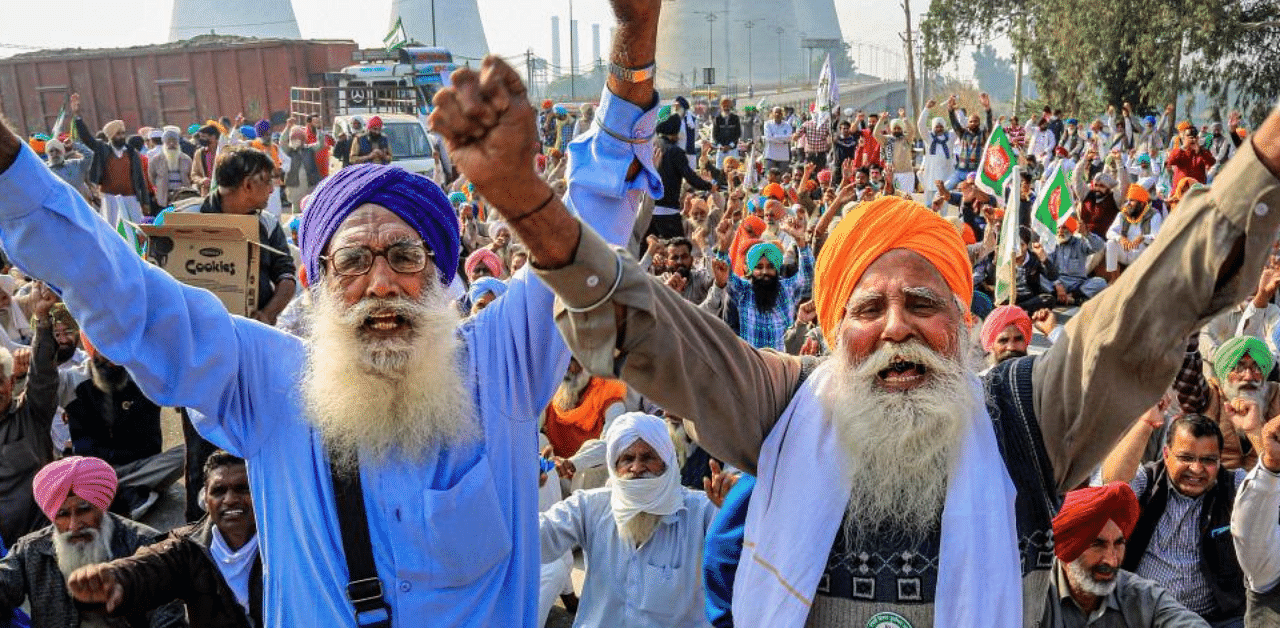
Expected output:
(938, 121)
(659, 496)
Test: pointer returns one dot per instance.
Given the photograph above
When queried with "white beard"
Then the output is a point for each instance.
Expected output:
(383, 396)
(639, 529)
(569, 394)
(901, 445)
(1083, 580)
(1258, 395)
(72, 556)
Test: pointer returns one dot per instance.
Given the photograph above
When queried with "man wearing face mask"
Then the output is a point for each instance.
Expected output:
(116, 169)
(371, 146)
(642, 535)
(75, 170)
(303, 173)
(202, 161)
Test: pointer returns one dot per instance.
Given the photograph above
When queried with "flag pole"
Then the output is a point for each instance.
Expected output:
(1011, 195)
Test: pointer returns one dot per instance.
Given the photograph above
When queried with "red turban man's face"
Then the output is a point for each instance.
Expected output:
(1009, 344)
(1094, 572)
(901, 297)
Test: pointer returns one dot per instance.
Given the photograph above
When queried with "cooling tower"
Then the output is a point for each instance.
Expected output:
(817, 19)
(684, 40)
(458, 27)
(248, 18)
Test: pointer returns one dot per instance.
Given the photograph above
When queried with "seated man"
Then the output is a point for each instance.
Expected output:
(1239, 374)
(1132, 231)
(212, 565)
(579, 413)
(641, 536)
(74, 493)
(1071, 257)
(1088, 588)
(1181, 539)
(111, 419)
(1033, 268)
(24, 425)
(1257, 537)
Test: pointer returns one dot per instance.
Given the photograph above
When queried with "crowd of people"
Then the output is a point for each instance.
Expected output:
(748, 367)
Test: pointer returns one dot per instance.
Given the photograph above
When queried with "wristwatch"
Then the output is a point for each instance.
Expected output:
(632, 75)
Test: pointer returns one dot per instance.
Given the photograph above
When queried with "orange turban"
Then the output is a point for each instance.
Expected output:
(1086, 511)
(869, 231)
(1138, 193)
(748, 235)
(774, 191)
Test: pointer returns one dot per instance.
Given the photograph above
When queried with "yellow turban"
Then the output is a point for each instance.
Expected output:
(870, 230)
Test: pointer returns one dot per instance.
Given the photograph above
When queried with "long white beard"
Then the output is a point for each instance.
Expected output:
(385, 396)
(901, 445)
(72, 556)
(1082, 579)
(1258, 395)
(569, 394)
(640, 528)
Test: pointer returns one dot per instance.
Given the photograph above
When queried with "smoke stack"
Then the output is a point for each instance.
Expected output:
(574, 43)
(457, 27)
(247, 18)
(556, 68)
(595, 44)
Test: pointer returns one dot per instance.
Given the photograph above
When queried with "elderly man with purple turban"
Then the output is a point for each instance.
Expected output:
(394, 403)
(74, 494)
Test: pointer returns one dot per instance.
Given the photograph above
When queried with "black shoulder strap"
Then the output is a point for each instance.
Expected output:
(364, 589)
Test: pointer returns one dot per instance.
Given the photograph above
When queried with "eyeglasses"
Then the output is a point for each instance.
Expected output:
(1205, 461)
(403, 257)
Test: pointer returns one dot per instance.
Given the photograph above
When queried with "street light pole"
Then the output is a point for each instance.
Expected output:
(433, 23)
(750, 71)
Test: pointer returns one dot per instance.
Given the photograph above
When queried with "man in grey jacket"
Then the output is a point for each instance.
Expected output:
(1075, 256)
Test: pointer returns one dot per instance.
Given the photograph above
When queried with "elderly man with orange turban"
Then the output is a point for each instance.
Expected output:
(894, 447)
(1088, 587)
(74, 493)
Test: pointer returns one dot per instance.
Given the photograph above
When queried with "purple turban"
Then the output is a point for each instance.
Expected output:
(414, 198)
(263, 128)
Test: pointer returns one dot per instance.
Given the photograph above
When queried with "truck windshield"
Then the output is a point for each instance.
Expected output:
(408, 141)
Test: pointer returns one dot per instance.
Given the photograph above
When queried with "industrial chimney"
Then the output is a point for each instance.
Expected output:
(247, 18)
(556, 68)
(457, 28)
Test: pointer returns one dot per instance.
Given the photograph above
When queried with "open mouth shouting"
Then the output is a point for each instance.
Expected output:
(386, 323)
(902, 374)
(233, 513)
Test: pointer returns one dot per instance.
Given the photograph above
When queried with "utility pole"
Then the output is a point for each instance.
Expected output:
(750, 51)
(528, 70)
(433, 23)
(914, 103)
(573, 57)
(1019, 44)
(711, 37)
(779, 30)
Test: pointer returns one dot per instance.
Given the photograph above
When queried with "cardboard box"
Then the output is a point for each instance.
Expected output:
(216, 252)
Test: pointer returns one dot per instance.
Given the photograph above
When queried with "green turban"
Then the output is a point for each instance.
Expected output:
(1229, 354)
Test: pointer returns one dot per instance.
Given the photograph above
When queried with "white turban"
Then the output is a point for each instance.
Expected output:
(659, 496)
(938, 121)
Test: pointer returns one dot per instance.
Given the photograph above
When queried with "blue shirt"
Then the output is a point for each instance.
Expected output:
(767, 329)
(455, 534)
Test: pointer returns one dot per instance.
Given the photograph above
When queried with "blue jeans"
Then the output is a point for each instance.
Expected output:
(956, 178)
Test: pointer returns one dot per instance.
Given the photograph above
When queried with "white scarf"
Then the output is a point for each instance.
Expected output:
(658, 496)
(235, 565)
(791, 525)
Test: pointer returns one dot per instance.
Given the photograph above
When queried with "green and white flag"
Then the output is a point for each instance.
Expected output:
(397, 38)
(995, 174)
(828, 96)
(1052, 208)
(1006, 254)
(57, 124)
(132, 235)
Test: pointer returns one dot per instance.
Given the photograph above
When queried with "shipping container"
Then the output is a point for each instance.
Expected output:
(179, 83)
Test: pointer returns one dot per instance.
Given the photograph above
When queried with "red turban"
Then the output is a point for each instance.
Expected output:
(872, 229)
(1086, 511)
(1002, 317)
(748, 235)
(375, 122)
(90, 479)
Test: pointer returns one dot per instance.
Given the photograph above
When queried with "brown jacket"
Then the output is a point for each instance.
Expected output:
(181, 567)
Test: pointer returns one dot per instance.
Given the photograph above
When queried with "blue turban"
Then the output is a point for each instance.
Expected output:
(262, 128)
(1072, 121)
(414, 198)
(486, 284)
(560, 110)
(248, 133)
(1149, 119)
(769, 250)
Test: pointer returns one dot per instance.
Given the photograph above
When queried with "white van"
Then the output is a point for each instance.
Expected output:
(410, 148)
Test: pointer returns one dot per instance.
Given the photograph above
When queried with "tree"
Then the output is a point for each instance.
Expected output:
(994, 73)
(1088, 53)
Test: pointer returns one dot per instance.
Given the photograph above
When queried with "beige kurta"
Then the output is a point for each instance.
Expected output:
(1116, 358)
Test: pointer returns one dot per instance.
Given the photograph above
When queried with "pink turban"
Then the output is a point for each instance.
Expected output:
(486, 257)
(1002, 317)
(90, 479)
